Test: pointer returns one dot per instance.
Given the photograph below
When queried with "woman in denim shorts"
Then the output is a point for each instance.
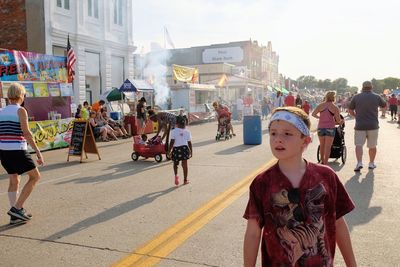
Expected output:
(329, 115)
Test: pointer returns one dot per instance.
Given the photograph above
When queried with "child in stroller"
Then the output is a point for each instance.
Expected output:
(225, 129)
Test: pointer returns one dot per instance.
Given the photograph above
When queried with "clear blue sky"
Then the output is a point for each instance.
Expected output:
(353, 39)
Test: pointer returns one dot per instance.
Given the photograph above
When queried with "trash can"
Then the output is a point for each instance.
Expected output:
(252, 132)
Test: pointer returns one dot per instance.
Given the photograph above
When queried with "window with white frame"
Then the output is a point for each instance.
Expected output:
(93, 8)
(63, 4)
(117, 12)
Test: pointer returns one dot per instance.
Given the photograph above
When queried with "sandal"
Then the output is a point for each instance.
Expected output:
(186, 181)
(105, 140)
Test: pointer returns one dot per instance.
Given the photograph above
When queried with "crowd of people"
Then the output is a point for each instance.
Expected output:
(103, 126)
(281, 203)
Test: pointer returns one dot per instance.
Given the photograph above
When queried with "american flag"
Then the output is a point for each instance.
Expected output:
(71, 59)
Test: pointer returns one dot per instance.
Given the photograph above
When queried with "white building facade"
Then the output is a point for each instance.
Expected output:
(100, 32)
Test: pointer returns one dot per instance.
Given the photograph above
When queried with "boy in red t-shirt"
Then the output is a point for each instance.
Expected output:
(296, 207)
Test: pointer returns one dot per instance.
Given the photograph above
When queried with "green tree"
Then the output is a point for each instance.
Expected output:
(391, 83)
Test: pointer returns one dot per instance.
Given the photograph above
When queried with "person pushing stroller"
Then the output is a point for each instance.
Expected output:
(224, 120)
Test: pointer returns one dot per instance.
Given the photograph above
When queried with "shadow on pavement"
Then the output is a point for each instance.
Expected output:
(121, 170)
(233, 150)
(9, 226)
(204, 143)
(361, 191)
(111, 213)
(336, 165)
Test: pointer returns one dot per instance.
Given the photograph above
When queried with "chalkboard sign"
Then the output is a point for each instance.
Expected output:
(77, 138)
(82, 140)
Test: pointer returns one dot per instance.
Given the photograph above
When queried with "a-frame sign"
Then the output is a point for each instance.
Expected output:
(82, 140)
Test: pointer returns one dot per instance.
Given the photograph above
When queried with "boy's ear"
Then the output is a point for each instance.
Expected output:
(307, 140)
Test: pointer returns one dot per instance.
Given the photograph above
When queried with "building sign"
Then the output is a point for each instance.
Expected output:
(223, 54)
(28, 66)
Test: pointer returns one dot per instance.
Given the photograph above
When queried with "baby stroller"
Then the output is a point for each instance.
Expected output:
(224, 128)
(152, 149)
(338, 149)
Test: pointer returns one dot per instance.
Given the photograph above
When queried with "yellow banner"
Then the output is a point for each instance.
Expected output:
(185, 74)
(51, 134)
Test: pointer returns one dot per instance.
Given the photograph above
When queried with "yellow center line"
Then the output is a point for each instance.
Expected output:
(166, 242)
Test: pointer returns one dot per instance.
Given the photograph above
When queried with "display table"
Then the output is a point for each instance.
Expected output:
(51, 134)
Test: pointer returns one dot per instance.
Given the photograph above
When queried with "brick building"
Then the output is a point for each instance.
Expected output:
(100, 33)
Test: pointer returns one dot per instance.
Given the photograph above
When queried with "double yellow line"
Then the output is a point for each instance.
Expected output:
(166, 242)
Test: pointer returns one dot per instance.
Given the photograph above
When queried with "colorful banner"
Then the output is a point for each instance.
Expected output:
(54, 89)
(66, 89)
(28, 66)
(4, 89)
(30, 92)
(185, 74)
(40, 89)
(51, 134)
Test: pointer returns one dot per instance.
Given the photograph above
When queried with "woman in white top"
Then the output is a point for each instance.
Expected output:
(181, 144)
(278, 100)
(14, 139)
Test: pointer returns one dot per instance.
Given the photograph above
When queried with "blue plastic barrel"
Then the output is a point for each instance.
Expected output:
(252, 132)
(115, 115)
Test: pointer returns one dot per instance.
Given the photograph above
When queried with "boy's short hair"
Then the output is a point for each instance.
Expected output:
(102, 102)
(296, 111)
(144, 136)
(15, 91)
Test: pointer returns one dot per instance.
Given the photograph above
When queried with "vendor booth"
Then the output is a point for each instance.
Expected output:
(133, 91)
(48, 95)
(195, 98)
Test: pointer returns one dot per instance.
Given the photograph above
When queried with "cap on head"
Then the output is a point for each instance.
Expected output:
(367, 85)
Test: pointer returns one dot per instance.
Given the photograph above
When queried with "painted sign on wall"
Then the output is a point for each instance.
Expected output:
(223, 54)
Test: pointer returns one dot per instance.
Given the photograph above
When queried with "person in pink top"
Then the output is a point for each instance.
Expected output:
(393, 106)
(329, 115)
(289, 100)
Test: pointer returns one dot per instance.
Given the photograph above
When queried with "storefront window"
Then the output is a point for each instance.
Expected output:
(118, 12)
(63, 4)
(93, 8)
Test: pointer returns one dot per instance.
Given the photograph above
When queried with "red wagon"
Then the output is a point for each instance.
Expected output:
(153, 149)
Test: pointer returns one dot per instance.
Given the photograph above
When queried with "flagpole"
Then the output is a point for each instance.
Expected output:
(72, 82)
(165, 32)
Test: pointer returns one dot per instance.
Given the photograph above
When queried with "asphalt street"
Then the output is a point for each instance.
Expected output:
(98, 212)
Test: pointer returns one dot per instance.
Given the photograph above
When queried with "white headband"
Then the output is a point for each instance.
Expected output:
(292, 119)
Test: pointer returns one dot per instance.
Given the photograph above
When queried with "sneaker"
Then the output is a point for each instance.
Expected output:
(371, 166)
(186, 181)
(14, 220)
(358, 167)
(176, 180)
(19, 213)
